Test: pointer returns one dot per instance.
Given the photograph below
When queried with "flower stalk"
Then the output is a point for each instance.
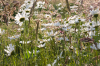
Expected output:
(32, 9)
(37, 29)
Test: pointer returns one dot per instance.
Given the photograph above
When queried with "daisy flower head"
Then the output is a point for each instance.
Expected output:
(27, 10)
(9, 49)
(57, 24)
(19, 18)
(95, 12)
(40, 5)
(14, 37)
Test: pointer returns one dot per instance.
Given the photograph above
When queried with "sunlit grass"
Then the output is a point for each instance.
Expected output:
(51, 40)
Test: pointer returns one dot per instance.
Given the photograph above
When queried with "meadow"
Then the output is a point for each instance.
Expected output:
(49, 33)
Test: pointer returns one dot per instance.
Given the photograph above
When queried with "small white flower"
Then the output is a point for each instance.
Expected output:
(61, 38)
(71, 47)
(2, 31)
(64, 25)
(93, 47)
(94, 24)
(41, 45)
(48, 24)
(72, 17)
(53, 64)
(48, 64)
(43, 29)
(59, 4)
(67, 28)
(40, 5)
(20, 29)
(28, 52)
(47, 16)
(98, 45)
(73, 7)
(14, 37)
(20, 23)
(93, 12)
(25, 42)
(9, 49)
(86, 24)
(57, 24)
(36, 51)
(91, 34)
(52, 33)
(71, 22)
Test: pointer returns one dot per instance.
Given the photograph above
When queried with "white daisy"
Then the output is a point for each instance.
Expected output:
(93, 12)
(2, 31)
(9, 49)
(41, 45)
(24, 42)
(36, 51)
(19, 18)
(67, 28)
(52, 33)
(57, 24)
(14, 37)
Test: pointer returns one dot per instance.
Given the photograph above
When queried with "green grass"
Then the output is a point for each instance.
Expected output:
(76, 56)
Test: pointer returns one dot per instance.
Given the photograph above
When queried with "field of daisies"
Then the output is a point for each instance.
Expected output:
(49, 33)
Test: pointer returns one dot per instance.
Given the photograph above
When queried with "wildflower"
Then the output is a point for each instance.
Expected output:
(20, 23)
(24, 42)
(75, 19)
(61, 32)
(73, 7)
(71, 22)
(71, 47)
(48, 64)
(20, 29)
(27, 10)
(48, 24)
(86, 24)
(2, 31)
(36, 51)
(91, 34)
(47, 16)
(9, 49)
(40, 5)
(67, 28)
(41, 45)
(95, 24)
(28, 52)
(95, 12)
(57, 24)
(61, 38)
(93, 47)
(52, 33)
(19, 18)
(58, 57)
(43, 29)
(72, 17)
(65, 25)
(59, 4)
(14, 37)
